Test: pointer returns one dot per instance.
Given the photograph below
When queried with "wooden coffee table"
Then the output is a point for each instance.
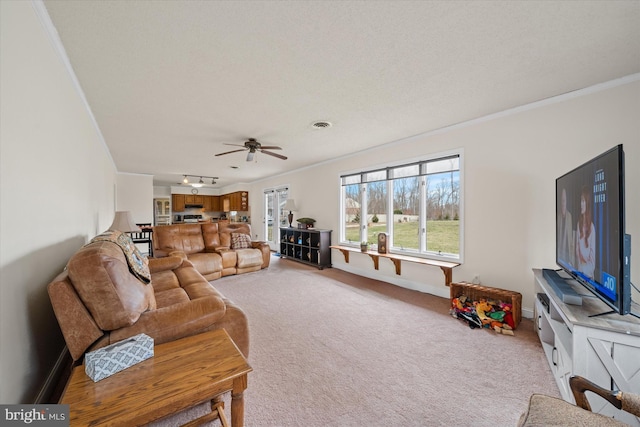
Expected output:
(180, 375)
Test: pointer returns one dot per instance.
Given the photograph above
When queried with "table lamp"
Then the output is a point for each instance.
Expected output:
(290, 205)
(123, 221)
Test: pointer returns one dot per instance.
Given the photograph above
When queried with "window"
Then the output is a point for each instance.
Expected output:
(418, 204)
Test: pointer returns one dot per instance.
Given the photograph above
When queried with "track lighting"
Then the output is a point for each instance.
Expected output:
(200, 183)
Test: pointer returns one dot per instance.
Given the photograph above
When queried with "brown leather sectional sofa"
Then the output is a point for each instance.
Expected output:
(212, 247)
(98, 301)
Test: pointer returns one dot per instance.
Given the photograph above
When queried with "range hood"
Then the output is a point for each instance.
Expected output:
(194, 205)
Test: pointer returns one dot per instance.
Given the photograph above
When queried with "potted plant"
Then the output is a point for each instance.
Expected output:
(364, 246)
(306, 222)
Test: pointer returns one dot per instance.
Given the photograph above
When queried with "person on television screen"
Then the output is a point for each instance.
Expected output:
(586, 236)
(564, 232)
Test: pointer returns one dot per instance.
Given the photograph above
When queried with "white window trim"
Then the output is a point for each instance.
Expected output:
(423, 200)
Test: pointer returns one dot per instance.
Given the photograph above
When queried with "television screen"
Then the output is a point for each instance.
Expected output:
(590, 227)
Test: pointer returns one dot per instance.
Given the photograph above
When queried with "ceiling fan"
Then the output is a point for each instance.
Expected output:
(252, 145)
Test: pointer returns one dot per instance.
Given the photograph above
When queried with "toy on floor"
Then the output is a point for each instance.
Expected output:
(484, 313)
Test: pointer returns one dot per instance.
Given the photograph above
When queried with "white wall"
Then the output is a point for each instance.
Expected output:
(57, 191)
(511, 161)
(135, 194)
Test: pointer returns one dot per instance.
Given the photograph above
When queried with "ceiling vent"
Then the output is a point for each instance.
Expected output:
(321, 125)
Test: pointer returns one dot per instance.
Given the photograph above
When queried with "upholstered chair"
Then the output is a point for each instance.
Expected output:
(551, 411)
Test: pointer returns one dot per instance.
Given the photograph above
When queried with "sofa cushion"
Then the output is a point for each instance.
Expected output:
(138, 264)
(115, 297)
(211, 236)
(183, 237)
(240, 241)
(206, 263)
(170, 297)
(225, 229)
(249, 257)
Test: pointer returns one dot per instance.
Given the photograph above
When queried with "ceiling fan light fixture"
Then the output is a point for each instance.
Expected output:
(185, 180)
(321, 124)
(253, 147)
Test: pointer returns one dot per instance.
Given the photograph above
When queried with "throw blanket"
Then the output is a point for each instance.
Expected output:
(138, 264)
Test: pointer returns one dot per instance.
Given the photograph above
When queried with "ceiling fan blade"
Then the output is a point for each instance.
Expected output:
(280, 156)
(270, 147)
(235, 145)
(229, 152)
(250, 155)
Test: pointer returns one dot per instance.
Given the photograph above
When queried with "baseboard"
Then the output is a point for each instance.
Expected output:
(436, 290)
(51, 390)
(527, 313)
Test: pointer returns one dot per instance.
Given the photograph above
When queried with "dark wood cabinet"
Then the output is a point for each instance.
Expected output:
(211, 203)
(177, 202)
(306, 246)
(193, 199)
(238, 201)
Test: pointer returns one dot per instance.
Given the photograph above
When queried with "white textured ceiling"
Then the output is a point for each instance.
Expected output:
(170, 81)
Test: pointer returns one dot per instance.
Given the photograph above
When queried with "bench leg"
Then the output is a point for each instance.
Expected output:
(217, 406)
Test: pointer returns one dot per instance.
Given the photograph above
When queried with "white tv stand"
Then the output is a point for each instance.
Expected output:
(603, 349)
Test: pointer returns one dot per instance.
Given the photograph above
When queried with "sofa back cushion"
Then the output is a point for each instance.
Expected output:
(225, 230)
(210, 235)
(181, 237)
(115, 297)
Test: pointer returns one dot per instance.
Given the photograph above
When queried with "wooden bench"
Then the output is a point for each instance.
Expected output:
(445, 266)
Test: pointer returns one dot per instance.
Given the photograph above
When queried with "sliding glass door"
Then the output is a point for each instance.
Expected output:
(274, 216)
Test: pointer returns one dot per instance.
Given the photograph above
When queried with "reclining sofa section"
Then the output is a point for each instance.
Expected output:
(97, 301)
(214, 249)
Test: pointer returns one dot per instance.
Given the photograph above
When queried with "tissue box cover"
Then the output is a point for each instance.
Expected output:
(118, 356)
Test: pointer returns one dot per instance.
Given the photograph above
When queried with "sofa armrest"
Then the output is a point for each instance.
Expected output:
(163, 264)
(266, 252)
(180, 254)
(580, 385)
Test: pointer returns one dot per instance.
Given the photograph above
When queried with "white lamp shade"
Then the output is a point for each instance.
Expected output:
(290, 205)
(123, 221)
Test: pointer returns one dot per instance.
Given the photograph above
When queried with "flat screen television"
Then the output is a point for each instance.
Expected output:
(591, 245)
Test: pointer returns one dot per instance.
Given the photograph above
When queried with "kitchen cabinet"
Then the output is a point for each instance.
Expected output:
(178, 202)
(211, 203)
(243, 203)
(237, 201)
(193, 199)
(162, 211)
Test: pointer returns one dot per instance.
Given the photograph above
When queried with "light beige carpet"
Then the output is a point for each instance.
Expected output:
(330, 348)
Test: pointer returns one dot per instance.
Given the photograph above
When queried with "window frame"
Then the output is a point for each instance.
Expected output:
(422, 162)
